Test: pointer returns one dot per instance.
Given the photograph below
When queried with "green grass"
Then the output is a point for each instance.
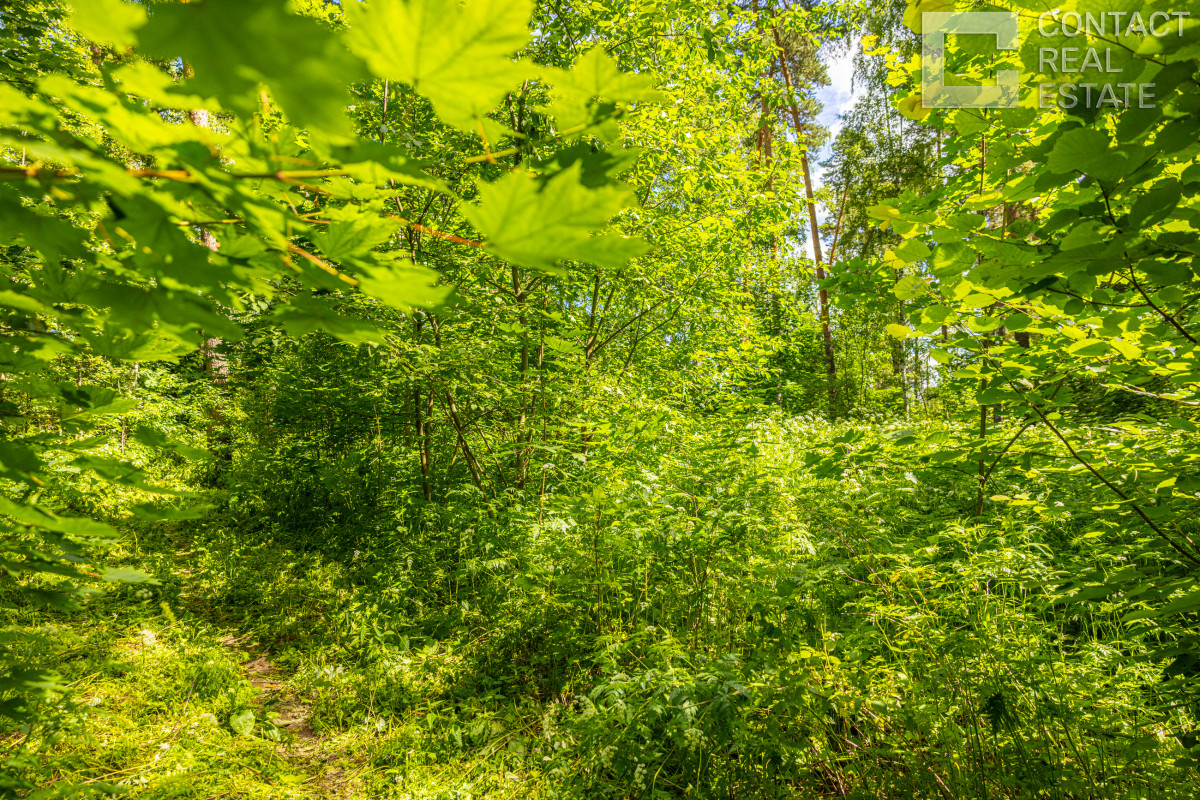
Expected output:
(153, 686)
(780, 636)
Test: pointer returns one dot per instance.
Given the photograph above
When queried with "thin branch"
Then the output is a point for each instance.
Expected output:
(1111, 486)
(322, 265)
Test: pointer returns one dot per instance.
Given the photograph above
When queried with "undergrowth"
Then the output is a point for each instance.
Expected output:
(693, 623)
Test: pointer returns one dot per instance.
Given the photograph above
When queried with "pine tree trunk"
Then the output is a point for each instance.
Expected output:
(822, 293)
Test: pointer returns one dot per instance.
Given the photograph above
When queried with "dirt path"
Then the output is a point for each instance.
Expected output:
(279, 705)
(276, 704)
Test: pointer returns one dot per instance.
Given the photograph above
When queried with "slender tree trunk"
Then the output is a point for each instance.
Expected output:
(422, 443)
(215, 365)
(982, 467)
(521, 455)
(822, 293)
(468, 454)
(837, 229)
(765, 158)
(124, 420)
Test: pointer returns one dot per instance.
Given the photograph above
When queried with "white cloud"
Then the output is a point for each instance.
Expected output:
(837, 98)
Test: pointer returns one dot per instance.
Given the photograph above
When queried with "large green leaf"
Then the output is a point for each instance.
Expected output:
(399, 283)
(108, 20)
(459, 55)
(41, 518)
(538, 223)
(1076, 149)
(352, 232)
(304, 64)
(242, 722)
(596, 74)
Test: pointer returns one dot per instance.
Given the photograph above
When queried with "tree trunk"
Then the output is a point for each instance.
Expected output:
(215, 365)
(822, 293)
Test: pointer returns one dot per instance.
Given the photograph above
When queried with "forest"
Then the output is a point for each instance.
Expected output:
(462, 399)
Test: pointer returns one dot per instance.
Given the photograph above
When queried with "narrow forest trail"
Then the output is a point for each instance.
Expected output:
(281, 713)
(215, 694)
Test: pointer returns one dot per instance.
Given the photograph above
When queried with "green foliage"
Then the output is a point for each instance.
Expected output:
(459, 56)
(1053, 268)
(718, 615)
(138, 232)
(413, 398)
